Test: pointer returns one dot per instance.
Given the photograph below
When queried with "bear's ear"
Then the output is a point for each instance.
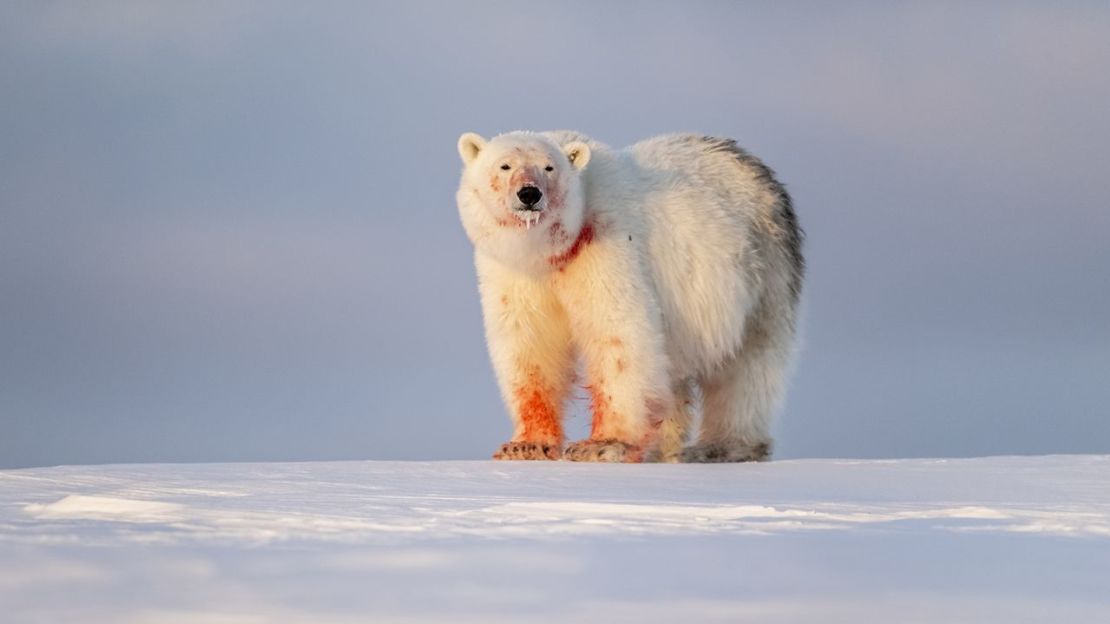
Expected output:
(469, 146)
(578, 153)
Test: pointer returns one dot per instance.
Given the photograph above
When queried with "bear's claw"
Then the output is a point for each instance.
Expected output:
(603, 451)
(527, 451)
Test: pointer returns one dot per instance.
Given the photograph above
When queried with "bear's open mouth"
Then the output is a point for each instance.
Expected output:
(528, 217)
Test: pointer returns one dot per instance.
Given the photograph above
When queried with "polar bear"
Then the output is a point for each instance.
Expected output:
(671, 270)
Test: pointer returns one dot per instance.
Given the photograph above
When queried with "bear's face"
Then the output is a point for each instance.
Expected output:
(520, 197)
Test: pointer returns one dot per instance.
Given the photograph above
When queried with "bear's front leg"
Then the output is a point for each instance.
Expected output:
(530, 345)
(617, 325)
(536, 408)
(628, 404)
(537, 415)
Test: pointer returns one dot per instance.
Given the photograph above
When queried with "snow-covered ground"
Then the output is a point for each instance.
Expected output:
(1005, 539)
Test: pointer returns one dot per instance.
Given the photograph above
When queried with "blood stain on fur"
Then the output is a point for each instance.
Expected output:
(558, 234)
(656, 412)
(555, 196)
(538, 416)
(585, 237)
(599, 406)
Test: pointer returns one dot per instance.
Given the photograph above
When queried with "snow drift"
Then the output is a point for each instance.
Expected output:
(1007, 539)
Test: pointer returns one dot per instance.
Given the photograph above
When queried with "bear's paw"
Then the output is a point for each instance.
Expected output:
(724, 452)
(613, 451)
(534, 451)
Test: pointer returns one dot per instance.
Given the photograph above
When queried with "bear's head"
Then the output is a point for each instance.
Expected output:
(521, 197)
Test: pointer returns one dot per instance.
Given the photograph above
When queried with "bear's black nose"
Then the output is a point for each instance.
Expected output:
(530, 195)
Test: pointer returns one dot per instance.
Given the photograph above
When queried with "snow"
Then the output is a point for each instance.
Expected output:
(1000, 539)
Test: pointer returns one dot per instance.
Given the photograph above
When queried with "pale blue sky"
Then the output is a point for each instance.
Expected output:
(228, 232)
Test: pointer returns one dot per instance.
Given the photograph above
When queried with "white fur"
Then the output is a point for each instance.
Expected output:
(686, 283)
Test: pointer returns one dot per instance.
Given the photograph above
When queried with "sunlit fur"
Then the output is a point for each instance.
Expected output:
(671, 269)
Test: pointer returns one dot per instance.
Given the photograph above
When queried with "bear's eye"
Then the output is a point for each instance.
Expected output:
(505, 167)
(549, 168)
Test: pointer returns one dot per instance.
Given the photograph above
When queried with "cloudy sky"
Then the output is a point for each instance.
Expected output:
(228, 232)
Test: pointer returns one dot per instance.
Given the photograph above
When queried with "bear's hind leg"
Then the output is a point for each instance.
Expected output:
(675, 428)
(738, 403)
